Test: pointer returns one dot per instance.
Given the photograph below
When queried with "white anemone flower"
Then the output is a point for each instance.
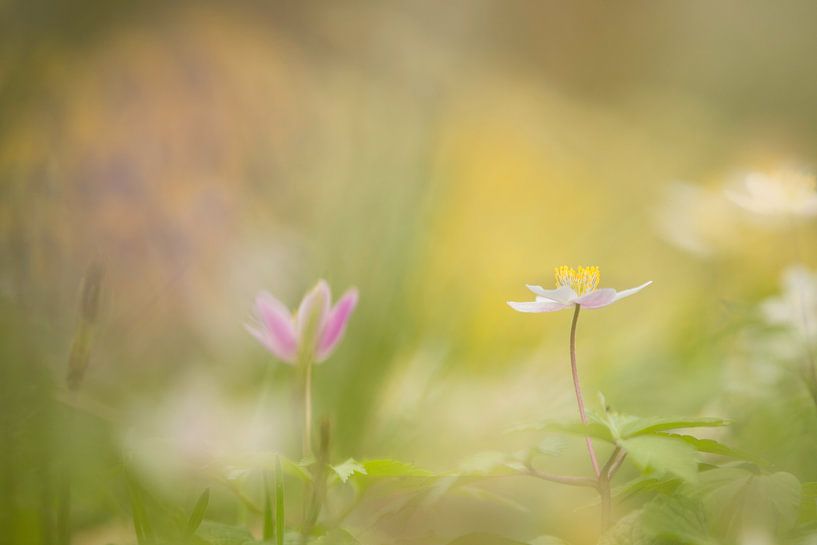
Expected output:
(796, 306)
(785, 193)
(698, 220)
(574, 287)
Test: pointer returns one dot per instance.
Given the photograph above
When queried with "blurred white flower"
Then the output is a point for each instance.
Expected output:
(780, 195)
(796, 306)
(198, 429)
(697, 220)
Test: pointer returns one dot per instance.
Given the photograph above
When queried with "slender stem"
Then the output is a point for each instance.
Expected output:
(604, 487)
(307, 431)
(578, 388)
(616, 465)
(611, 462)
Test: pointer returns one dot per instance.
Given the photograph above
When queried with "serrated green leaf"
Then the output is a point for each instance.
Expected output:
(661, 455)
(197, 515)
(348, 468)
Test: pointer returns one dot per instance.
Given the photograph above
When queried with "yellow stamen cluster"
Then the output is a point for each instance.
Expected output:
(581, 279)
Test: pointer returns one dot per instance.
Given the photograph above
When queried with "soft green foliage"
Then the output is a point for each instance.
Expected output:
(214, 533)
(662, 455)
(740, 500)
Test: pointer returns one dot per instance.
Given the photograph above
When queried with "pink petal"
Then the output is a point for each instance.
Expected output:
(542, 305)
(278, 325)
(313, 310)
(270, 345)
(335, 325)
(597, 299)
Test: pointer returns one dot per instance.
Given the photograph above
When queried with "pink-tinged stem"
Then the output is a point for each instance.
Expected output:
(578, 388)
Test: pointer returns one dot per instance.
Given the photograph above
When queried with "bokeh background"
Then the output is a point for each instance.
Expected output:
(438, 156)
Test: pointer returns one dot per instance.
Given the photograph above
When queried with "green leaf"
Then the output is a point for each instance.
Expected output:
(215, 533)
(678, 520)
(338, 536)
(808, 502)
(594, 428)
(142, 527)
(551, 446)
(547, 540)
(246, 464)
(661, 455)
(710, 446)
(484, 539)
(644, 426)
(627, 531)
(490, 463)
(349, 468)
(641, 484)
(737, 498)
(488, 496)
(393, 468)
(197, 515)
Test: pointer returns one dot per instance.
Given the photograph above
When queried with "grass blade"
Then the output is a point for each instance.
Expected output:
(198, 512)
(280, 515)
(269, 522)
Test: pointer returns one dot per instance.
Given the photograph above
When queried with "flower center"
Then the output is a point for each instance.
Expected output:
(582, 280)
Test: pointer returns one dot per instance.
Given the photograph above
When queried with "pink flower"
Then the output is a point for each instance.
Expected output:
(311, 333)
(574, 287)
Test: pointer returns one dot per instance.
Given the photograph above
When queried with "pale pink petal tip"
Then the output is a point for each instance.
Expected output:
(278, 326)
(536, 306)
(632, 291)
(597, 299)
(315, 305)
(336, 322)
(287, 356)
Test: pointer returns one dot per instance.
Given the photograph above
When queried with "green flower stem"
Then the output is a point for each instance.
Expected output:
(577, 387)
(307, 398)
(607, 472)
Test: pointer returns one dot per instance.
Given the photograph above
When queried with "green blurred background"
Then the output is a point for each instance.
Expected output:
(438, 156)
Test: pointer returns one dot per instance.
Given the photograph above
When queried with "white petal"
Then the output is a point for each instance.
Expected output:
(632, 291)
(537, 306)
(562, 294)
(597, 299)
